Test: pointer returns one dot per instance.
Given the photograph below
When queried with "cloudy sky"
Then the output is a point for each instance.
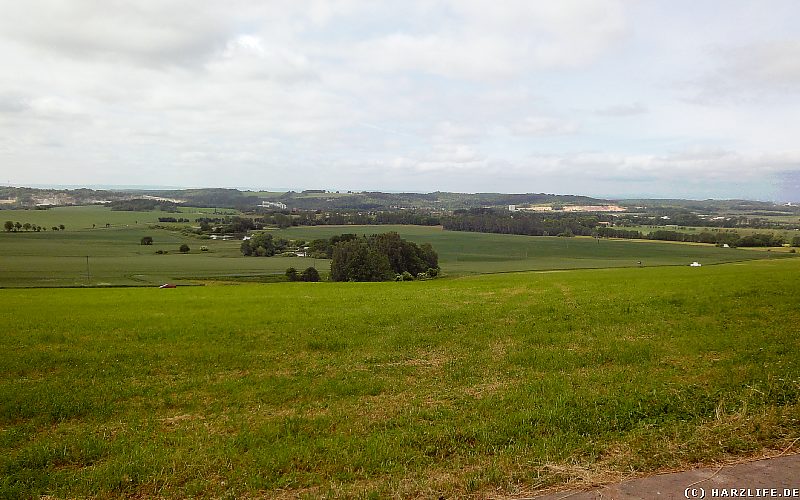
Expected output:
(696, 99)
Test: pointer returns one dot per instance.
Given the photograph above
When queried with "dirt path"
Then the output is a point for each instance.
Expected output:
(768, 478)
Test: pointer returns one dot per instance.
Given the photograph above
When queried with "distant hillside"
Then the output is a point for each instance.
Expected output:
(12, 197)
(746, 207)
(318, 199)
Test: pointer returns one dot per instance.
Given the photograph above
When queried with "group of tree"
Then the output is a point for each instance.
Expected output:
(227, 225)
(310, 274)
(173, 219)
(143, 205)
(381, 257)
(531, 224)
(263, 244)
(493, 221)
(684, 217)
(730, 238)
(13, 227)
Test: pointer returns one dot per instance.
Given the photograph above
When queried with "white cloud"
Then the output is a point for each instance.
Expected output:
(464, 94)
(636, 108)
(543, 126)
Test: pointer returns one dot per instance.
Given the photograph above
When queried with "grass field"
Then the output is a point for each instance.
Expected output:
(115, 257)
(787, 234)
(481, 385)
(83, 217)
(465, 253)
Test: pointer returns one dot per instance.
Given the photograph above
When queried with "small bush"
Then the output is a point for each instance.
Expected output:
(407, 276)
(291, 273)
(310, 274)
(146, 240)
(184, 248)
(204, 248)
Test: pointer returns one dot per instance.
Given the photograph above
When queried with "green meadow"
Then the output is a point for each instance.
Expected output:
(81, 218)
(101, 247)
(469, 253)
(492, 385)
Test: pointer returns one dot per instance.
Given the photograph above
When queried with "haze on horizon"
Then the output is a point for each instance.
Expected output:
(609, 98)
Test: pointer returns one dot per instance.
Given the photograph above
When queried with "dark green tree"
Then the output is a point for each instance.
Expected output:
(355, 260)
(291, 274)
(9, 226)
(184, 248)
(310, 274)
(147, 240)
(260, 245)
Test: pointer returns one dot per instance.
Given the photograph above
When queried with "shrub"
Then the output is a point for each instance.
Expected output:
(291, 273)
(204, 248)
(407, 276)
(146, 240)
(310, 274)
(184, 248)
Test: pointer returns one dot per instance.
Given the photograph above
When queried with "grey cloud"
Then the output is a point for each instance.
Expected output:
(752, 73)
(543, 126)
(622, 110)
(13, 103)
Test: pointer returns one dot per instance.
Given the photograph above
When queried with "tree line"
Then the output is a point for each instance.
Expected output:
(730, 238)
(533, 224)
(13, 227)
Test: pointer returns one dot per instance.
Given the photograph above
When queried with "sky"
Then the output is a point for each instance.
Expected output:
(609, 98)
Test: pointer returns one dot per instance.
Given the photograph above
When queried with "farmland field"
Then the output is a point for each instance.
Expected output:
(115, 257)
(82, 218)
(787, 234)
(466, 253)
(479, 385)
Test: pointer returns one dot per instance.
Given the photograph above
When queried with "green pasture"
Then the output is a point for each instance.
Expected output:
(115, 256)
(788, 234)
(84, 217)
(484, 386)
(465, 252)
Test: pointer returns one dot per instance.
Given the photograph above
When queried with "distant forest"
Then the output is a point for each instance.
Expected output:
(565, 224)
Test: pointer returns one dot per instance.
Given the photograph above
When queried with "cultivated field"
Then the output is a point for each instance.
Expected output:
(482, 385)
(59, 258)
(467, 253)
(115, 256)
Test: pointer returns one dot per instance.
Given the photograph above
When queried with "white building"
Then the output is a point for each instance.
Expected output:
(273, 204)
